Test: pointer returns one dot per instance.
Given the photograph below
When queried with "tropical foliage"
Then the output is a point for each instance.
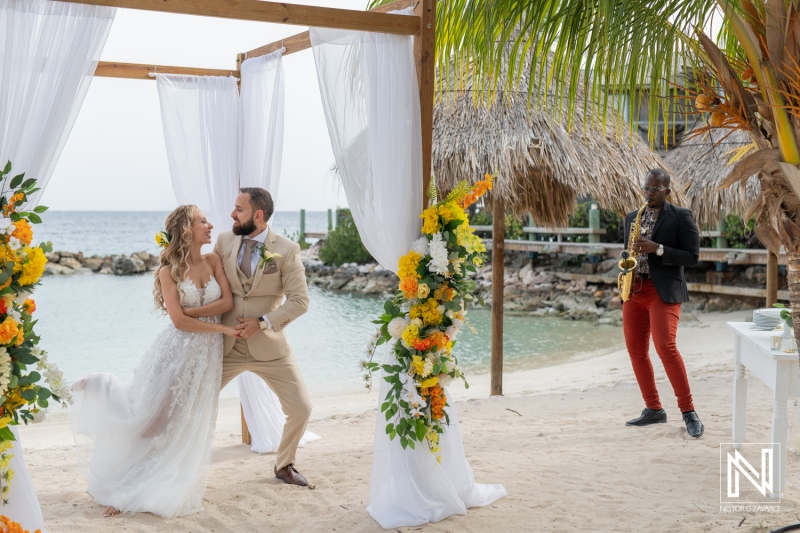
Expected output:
(22, 363)
(343, 244)
(421, 322)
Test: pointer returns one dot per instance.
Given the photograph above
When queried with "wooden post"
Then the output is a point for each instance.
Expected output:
(302, 237)
(594, 222)
(246, 439)
(330, 220)
(772, 279)
(722, 241)
(498, 278)
(424, 58)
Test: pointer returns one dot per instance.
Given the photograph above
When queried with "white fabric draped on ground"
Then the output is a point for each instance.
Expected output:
(369, 93)
(218, 140)
(48, 55)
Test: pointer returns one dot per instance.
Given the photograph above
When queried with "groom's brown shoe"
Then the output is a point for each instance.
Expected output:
(289, 474)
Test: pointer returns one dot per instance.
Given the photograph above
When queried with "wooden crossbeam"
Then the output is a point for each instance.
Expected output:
(302, 41)
(134, 71)
(279, 13)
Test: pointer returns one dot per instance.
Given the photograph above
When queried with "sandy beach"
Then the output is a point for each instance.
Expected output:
(556, 440)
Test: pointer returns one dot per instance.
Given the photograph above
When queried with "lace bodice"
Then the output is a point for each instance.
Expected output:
(194, 296)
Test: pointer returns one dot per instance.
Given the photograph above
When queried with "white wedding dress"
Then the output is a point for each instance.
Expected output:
(152, 438)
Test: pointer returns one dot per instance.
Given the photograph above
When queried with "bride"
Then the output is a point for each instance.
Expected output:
(152, 438)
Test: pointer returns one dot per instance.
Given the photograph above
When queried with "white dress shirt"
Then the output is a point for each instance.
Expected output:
(261, 238)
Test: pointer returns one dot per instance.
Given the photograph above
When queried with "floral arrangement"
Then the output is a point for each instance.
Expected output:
(423, 319)
(162, 239)
(22, 363)
(9, 526)
(265, 257)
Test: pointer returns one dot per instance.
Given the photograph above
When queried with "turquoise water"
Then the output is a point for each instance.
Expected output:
(94, 322)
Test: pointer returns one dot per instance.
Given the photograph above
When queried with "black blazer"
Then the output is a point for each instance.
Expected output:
(676, 230)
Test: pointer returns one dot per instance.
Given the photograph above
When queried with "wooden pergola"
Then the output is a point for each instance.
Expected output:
(422, 26)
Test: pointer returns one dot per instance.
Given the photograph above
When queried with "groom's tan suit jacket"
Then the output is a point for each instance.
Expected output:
(263, 293)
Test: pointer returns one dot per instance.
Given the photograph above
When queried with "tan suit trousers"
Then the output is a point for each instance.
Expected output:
(284, 378)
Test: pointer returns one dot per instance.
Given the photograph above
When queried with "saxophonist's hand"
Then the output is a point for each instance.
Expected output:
(645, 246)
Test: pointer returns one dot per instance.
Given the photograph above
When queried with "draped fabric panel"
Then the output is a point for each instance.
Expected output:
(368, 84)
(48, 55)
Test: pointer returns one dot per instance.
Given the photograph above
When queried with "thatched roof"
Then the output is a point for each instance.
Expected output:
(541, 167)
(701, 163)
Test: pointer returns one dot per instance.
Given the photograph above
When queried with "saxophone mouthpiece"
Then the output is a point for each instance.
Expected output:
(625, 254)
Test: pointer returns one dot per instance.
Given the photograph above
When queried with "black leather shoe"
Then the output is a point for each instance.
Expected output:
(649, 416)
(693, 425)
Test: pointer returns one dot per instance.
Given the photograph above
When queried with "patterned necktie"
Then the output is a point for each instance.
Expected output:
(247, 257)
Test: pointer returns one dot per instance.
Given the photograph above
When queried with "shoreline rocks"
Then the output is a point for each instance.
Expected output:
(67, 263)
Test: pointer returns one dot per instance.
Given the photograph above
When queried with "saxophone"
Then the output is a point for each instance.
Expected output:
(628, 262)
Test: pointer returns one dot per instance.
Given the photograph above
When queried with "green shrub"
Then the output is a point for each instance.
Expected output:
(611, 221)
(343, 244)
(514, 225)
(739, 234)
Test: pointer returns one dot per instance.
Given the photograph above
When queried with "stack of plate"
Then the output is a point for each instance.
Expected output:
(769, 318)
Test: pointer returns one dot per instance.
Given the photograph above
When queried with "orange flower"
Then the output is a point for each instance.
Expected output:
(9, 526)
(20, 337)
(9, 207)
(438, 401)
(423, 345)
(409, 287)
(23, 231)
(8, 330)
(29, 305)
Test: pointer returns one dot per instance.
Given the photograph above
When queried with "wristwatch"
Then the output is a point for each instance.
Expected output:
(262, 323)
(660, 250)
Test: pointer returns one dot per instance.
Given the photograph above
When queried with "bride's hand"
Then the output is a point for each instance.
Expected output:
(231, 332)
(189, 311)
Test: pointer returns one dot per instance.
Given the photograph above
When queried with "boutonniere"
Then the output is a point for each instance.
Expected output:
(267, 258)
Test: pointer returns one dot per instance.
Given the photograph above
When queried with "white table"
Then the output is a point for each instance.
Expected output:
(779, 371)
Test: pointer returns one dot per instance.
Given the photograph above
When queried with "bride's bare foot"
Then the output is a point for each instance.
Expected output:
(111, 511)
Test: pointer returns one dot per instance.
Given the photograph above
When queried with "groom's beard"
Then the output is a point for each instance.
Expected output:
(245, 228)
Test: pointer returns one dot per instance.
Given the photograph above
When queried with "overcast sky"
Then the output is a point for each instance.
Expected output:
(115, 157)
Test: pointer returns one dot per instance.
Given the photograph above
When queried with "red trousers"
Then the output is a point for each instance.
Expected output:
(645, 314)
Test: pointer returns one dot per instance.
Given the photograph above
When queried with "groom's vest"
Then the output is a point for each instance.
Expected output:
(263, 294)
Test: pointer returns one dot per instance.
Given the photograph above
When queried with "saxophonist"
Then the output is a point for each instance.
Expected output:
(668, 242)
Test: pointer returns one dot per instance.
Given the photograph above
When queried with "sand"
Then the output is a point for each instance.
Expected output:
(556, 440)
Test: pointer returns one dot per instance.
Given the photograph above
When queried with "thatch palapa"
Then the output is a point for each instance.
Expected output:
(542, 167)
(702, 162)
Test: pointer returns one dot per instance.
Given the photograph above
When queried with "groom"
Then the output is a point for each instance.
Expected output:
(260, 315)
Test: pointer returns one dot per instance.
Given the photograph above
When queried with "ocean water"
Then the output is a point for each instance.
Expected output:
(93, 322)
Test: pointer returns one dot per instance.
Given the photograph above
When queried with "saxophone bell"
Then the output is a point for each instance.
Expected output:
(627, 262)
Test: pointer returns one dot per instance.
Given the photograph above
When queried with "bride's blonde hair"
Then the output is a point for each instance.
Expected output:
(176, 254)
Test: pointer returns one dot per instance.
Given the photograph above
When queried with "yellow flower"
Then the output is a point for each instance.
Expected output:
(430, 220)
(477, 261)
(432, 435)
(23, 231)
(450, 211)
(4, 421)
(162, 239)
(407, 267)
(417, 364)
(33, 266)
(430, 382)
(410, 334)
(423, 290)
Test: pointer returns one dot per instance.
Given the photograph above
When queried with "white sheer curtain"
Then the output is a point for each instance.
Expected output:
(216, 141)
(368, 83)
(369, 92)
(262, 97)
(48, 55)
(200, 116)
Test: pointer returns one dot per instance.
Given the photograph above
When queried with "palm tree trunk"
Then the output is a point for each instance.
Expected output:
(793, 279)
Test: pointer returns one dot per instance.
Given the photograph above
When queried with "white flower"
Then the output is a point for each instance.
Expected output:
(14, 243)
(417, 322)
(451, 332)
(444, 379)
(440, 309)
(449, 365)
(13, 313)
(427, 368)
(421, 246)
(5, 371)
(458, 324)
(396, 327)
(450, 315)
(439, 263)
(5, 224)
(416, 413)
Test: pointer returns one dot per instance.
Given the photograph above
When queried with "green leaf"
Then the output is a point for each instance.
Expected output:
(385, 405)
(40, 209)
(403, 442)
(16, 180)
(43, 403)
(411, 443)
(29, 395)
(389, 428)
(33, 217)
(389, 415)
(28, 183)
(7, 168)
(14, 383)
(392, 435)
(44, 393)
(420, 429)
(34, 376)
(6, 434)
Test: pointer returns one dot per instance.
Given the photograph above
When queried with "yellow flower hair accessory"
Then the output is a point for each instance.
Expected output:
(162, 239)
